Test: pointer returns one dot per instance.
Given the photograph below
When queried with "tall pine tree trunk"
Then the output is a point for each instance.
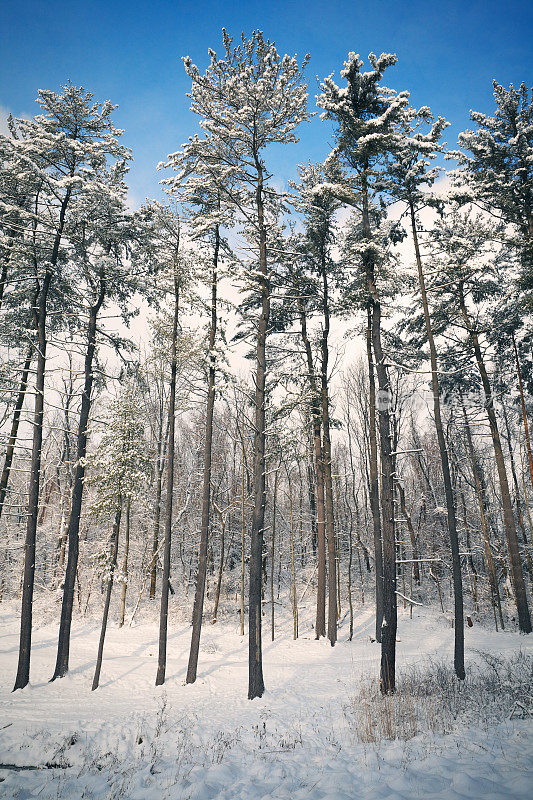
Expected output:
(374, 479)
(73, 530)
(39, 317)
(389, 625)
(165, 580)
(206, 491)
(326, 461)
(320, 624)
(256, 685)
(23, 669)
(107, 603)
(459, 645)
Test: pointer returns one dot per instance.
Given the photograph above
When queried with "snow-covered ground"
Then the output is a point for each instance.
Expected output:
(306, 739)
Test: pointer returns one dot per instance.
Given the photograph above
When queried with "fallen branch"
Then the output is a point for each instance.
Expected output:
(408, 599)
(23, 767)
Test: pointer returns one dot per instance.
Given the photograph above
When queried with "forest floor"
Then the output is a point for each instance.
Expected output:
(321, 730)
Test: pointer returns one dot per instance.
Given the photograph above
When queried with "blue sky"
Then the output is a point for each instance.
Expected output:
(129, 52)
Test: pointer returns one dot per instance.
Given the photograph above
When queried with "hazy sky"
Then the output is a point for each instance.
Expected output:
(129, 52)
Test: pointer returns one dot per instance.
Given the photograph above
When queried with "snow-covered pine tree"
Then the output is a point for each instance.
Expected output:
(407, 179)
(248, 100)
(364, 113)
(468, 279)
(166, 251)
(117, 471)
(354, 249)
(208, 209)
(17, 191)
(104, 232)
(18, 188)
(24, 242)
(497, 166)
(313, 283)
(63, 148)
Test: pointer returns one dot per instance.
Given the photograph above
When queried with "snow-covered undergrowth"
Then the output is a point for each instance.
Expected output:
(430, 699)
(321, 730)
